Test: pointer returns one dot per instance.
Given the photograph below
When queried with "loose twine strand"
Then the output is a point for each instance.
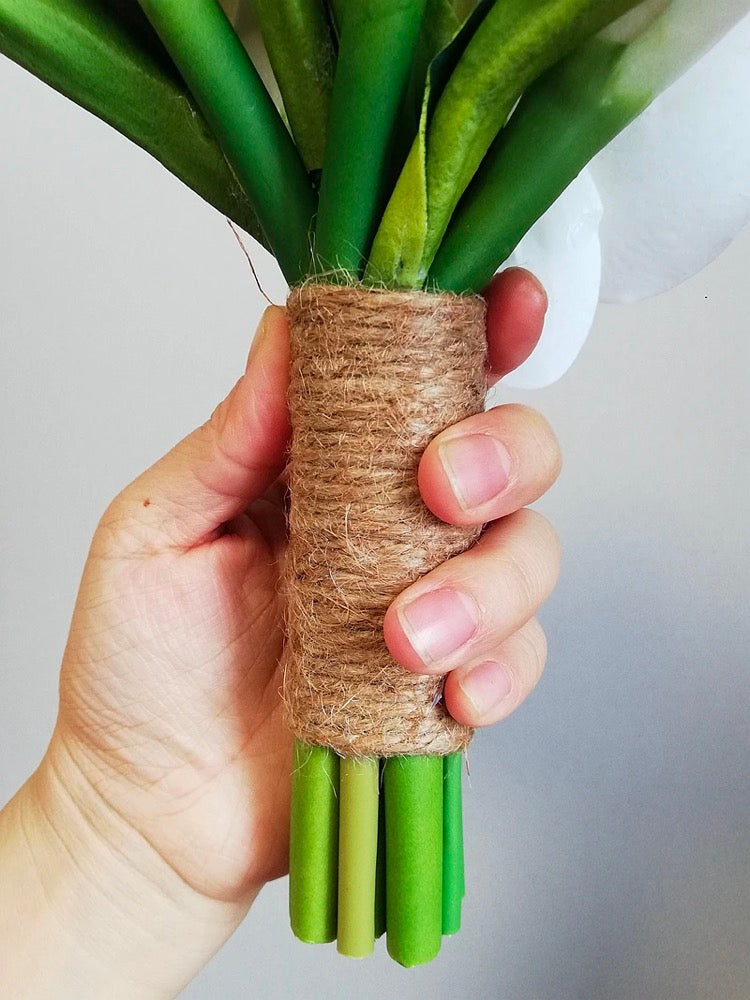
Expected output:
(375, 375)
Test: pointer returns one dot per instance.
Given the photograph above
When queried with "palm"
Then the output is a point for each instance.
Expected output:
(181, 718)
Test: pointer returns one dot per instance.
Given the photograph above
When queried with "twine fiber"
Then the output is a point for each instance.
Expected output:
(375, 375)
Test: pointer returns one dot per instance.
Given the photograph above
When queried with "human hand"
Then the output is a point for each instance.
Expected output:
(170, 717)
(170, 683)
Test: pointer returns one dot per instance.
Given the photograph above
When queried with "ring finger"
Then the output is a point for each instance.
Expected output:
(463, 610)
(488, 690)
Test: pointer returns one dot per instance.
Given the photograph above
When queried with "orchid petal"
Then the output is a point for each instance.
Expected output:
(562, 249)
(676, 183)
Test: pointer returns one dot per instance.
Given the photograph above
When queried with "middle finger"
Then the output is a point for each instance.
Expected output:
(489, 465)
(471, 603)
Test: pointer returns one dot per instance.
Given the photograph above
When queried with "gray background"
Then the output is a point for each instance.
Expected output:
(607, 822)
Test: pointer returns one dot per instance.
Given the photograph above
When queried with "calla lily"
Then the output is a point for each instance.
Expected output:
(674, 186)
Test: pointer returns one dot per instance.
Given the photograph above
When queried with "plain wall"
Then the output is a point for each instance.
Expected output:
(607, 821)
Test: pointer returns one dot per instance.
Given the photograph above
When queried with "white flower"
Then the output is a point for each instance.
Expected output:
(664, 198)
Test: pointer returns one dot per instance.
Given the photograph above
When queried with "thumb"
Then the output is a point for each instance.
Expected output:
(214, 473)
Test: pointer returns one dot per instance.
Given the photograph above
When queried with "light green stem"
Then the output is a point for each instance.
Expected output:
(313, 843)
(358, 846)
(380, 870)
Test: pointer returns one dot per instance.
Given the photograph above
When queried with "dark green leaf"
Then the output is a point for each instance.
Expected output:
(298, 40)
(207, 51)
(104, 55)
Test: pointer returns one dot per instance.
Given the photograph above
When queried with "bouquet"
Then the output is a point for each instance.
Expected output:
(409, 149)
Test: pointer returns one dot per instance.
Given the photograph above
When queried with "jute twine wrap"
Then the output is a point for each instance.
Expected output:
(375, 375)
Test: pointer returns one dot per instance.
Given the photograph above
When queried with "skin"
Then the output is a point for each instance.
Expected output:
(161, 806)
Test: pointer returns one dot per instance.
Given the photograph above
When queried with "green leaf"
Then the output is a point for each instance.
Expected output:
(336, 10)
(207, 51)
(104, 55)
(399, 245)
(298, 40)
(514, 44)
(439, 26)
(569, 114)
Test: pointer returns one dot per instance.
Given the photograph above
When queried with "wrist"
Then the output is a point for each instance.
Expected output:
(94, 911)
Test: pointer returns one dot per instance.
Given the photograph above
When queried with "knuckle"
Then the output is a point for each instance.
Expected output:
(533, 642)
(537, 441)
(538, 532)
(535, 557)
(546, 537)
(118, 531)
(549, 447)
(216, 424)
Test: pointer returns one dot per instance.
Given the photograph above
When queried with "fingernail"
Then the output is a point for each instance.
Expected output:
(438, 623)
(478, 468)
(486, 685)
(540, 290)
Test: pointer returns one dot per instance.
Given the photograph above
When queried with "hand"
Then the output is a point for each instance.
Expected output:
(170, 719)
(170, 683)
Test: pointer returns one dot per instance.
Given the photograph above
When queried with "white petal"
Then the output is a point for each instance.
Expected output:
(562, 249)
(676, 183)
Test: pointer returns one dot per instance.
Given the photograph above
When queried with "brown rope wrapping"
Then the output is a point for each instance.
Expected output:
(375, 375)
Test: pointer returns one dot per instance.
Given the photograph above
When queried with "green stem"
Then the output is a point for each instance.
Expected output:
(414, 851)
(453, 844)
(376, 50)
(255, 141)
(313, 846)
(566, 117)
(358, 844)
(298, 40)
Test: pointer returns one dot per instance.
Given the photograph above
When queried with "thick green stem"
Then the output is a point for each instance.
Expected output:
(298, 39)
(313, 846)
(453, 844)
(358, 848)
(255, 140)
(414, 852)
(372, 73)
